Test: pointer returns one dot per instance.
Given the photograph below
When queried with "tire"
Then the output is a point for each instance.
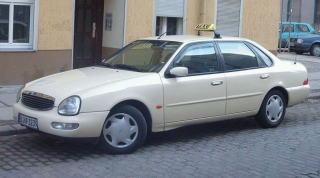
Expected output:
(269, 115)
(315, 50)
(124, 131)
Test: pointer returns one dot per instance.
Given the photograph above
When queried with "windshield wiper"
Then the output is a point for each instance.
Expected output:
(105, 64)
(128, 67)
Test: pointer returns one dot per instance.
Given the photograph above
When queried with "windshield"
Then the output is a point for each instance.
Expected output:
(143, 55)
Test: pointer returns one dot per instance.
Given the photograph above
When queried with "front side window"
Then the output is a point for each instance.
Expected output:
(16, 24)
(237, 56)
(287, 28)
(198, 58)
(302, 28)
(143, 55)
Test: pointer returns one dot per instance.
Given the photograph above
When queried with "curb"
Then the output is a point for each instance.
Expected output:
(9, 130)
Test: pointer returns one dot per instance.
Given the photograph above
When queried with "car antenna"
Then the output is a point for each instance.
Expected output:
(159, 37)
(216, 34)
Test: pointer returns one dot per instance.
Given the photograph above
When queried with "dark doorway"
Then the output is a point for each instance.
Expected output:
(87, 32)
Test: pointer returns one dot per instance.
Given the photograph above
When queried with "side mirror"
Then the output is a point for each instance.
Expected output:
(179, 71)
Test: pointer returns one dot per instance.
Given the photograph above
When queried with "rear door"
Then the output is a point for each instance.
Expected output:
(246, 76)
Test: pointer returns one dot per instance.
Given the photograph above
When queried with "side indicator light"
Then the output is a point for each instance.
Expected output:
(159, 107)
(306, 82)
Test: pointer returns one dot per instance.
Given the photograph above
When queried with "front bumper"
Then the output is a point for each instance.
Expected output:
(299, 47)
(90, 124)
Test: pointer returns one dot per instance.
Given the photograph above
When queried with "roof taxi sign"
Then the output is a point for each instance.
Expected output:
(208, 28)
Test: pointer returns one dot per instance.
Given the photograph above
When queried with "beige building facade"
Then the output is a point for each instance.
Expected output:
(42, 37)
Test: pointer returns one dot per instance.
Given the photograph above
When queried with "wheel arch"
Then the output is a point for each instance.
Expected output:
(140, 106)
(282, 90)
(314, 43)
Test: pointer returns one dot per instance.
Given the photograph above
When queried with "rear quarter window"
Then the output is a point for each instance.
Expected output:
(263, 57)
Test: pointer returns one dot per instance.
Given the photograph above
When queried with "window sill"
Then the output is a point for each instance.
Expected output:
(16, 50)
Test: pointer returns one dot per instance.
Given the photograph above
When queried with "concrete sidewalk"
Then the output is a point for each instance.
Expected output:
(7, 98)
(8, 93)
(313, 66)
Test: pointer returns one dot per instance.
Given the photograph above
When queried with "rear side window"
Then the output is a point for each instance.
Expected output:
(237, 56)
(302, 28)
(265, 59)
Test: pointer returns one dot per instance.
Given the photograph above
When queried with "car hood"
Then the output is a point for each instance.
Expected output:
(72, 82)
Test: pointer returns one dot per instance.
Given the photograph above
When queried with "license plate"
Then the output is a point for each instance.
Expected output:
(28, 121)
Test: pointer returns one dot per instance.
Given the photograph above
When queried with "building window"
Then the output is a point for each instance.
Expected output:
(17, 24)
(171, 25)
(170, 15)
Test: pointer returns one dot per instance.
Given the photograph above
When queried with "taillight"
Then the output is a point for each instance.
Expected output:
(306, 82)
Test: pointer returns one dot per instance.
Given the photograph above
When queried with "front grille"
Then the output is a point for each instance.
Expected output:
(37, 101)
(293, 40)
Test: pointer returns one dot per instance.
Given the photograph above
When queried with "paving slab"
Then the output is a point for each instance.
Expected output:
(8, 99)
(20, 129)
(314, 75)
(292, 56)
(9, 88)
(7, 130)
(6, 113)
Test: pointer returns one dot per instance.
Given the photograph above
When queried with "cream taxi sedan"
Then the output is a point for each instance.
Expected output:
(154, 85)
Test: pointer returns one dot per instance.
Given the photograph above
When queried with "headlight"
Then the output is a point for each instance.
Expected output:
(299, 41)
(19, 93)
(70, 106)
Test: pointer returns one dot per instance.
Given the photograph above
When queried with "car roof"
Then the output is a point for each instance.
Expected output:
(193, 38)
(293, 23)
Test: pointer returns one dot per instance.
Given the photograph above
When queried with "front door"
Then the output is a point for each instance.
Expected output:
(200, 95)
(87, 32)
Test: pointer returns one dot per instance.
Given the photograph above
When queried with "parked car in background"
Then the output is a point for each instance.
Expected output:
(306, 44)
(293, 30)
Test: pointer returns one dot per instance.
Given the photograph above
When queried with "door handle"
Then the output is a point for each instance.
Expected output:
(218, 82)
(264, 76)
(94, 27)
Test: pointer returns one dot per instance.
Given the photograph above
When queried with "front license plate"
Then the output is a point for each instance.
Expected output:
(28, 121)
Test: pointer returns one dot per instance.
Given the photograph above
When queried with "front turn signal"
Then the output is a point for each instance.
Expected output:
(306, 82)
